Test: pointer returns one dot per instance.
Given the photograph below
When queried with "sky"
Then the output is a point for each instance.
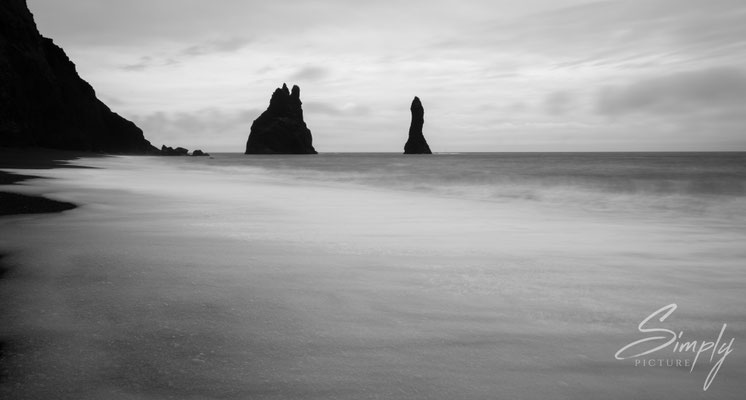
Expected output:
(493, 75)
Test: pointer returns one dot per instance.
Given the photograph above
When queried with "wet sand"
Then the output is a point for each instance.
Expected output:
(15, 203)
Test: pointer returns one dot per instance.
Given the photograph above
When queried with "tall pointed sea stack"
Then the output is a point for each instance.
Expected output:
(281, 129)
(43, 100)
(417, 143)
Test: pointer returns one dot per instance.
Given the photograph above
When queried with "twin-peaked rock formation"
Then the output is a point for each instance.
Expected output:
(281, 129)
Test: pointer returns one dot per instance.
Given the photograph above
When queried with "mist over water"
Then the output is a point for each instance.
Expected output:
(360, 276)
(616, 182)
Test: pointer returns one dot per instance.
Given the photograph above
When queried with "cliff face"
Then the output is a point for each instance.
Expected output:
(281, 129)
(43, 101)
(416, 144)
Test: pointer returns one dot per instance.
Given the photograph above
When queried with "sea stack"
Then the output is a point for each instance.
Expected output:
(43, 100)
(281, 129)
(417, 143)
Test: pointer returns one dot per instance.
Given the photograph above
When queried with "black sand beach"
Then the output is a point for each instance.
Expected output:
(255, 278)
(14, 203)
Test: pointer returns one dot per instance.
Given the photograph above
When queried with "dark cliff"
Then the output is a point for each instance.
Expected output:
(43, 101)
(416, 144)
(281, 129)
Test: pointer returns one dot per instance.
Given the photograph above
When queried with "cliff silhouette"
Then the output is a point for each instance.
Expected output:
(43, 100)
(281, 129)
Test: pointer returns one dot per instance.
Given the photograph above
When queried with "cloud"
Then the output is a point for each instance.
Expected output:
(209, 47)
(144, 63)
(310, 74)
(110, 100)
(681, 93)
(701, 110)
(228, 45)
(624, 34)
(315, 107)
(206, 128)
(559, 103)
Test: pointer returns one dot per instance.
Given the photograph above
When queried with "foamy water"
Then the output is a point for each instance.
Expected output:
(375, 276)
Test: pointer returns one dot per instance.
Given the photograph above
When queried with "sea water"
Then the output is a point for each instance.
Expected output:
(452, 276)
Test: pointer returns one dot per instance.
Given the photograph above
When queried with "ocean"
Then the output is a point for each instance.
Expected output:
(362, 275)
(593, 180)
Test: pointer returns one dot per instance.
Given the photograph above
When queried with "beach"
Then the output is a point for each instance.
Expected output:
(336, 277)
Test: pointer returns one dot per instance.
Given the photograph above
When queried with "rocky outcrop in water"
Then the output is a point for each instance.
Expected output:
(281, 129)
(416, 144)
(43, 101)
(180, 151)
(170, 151)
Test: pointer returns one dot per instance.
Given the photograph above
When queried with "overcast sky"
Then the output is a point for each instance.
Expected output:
(493, 75)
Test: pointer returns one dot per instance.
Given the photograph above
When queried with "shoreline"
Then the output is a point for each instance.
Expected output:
(12, 203)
